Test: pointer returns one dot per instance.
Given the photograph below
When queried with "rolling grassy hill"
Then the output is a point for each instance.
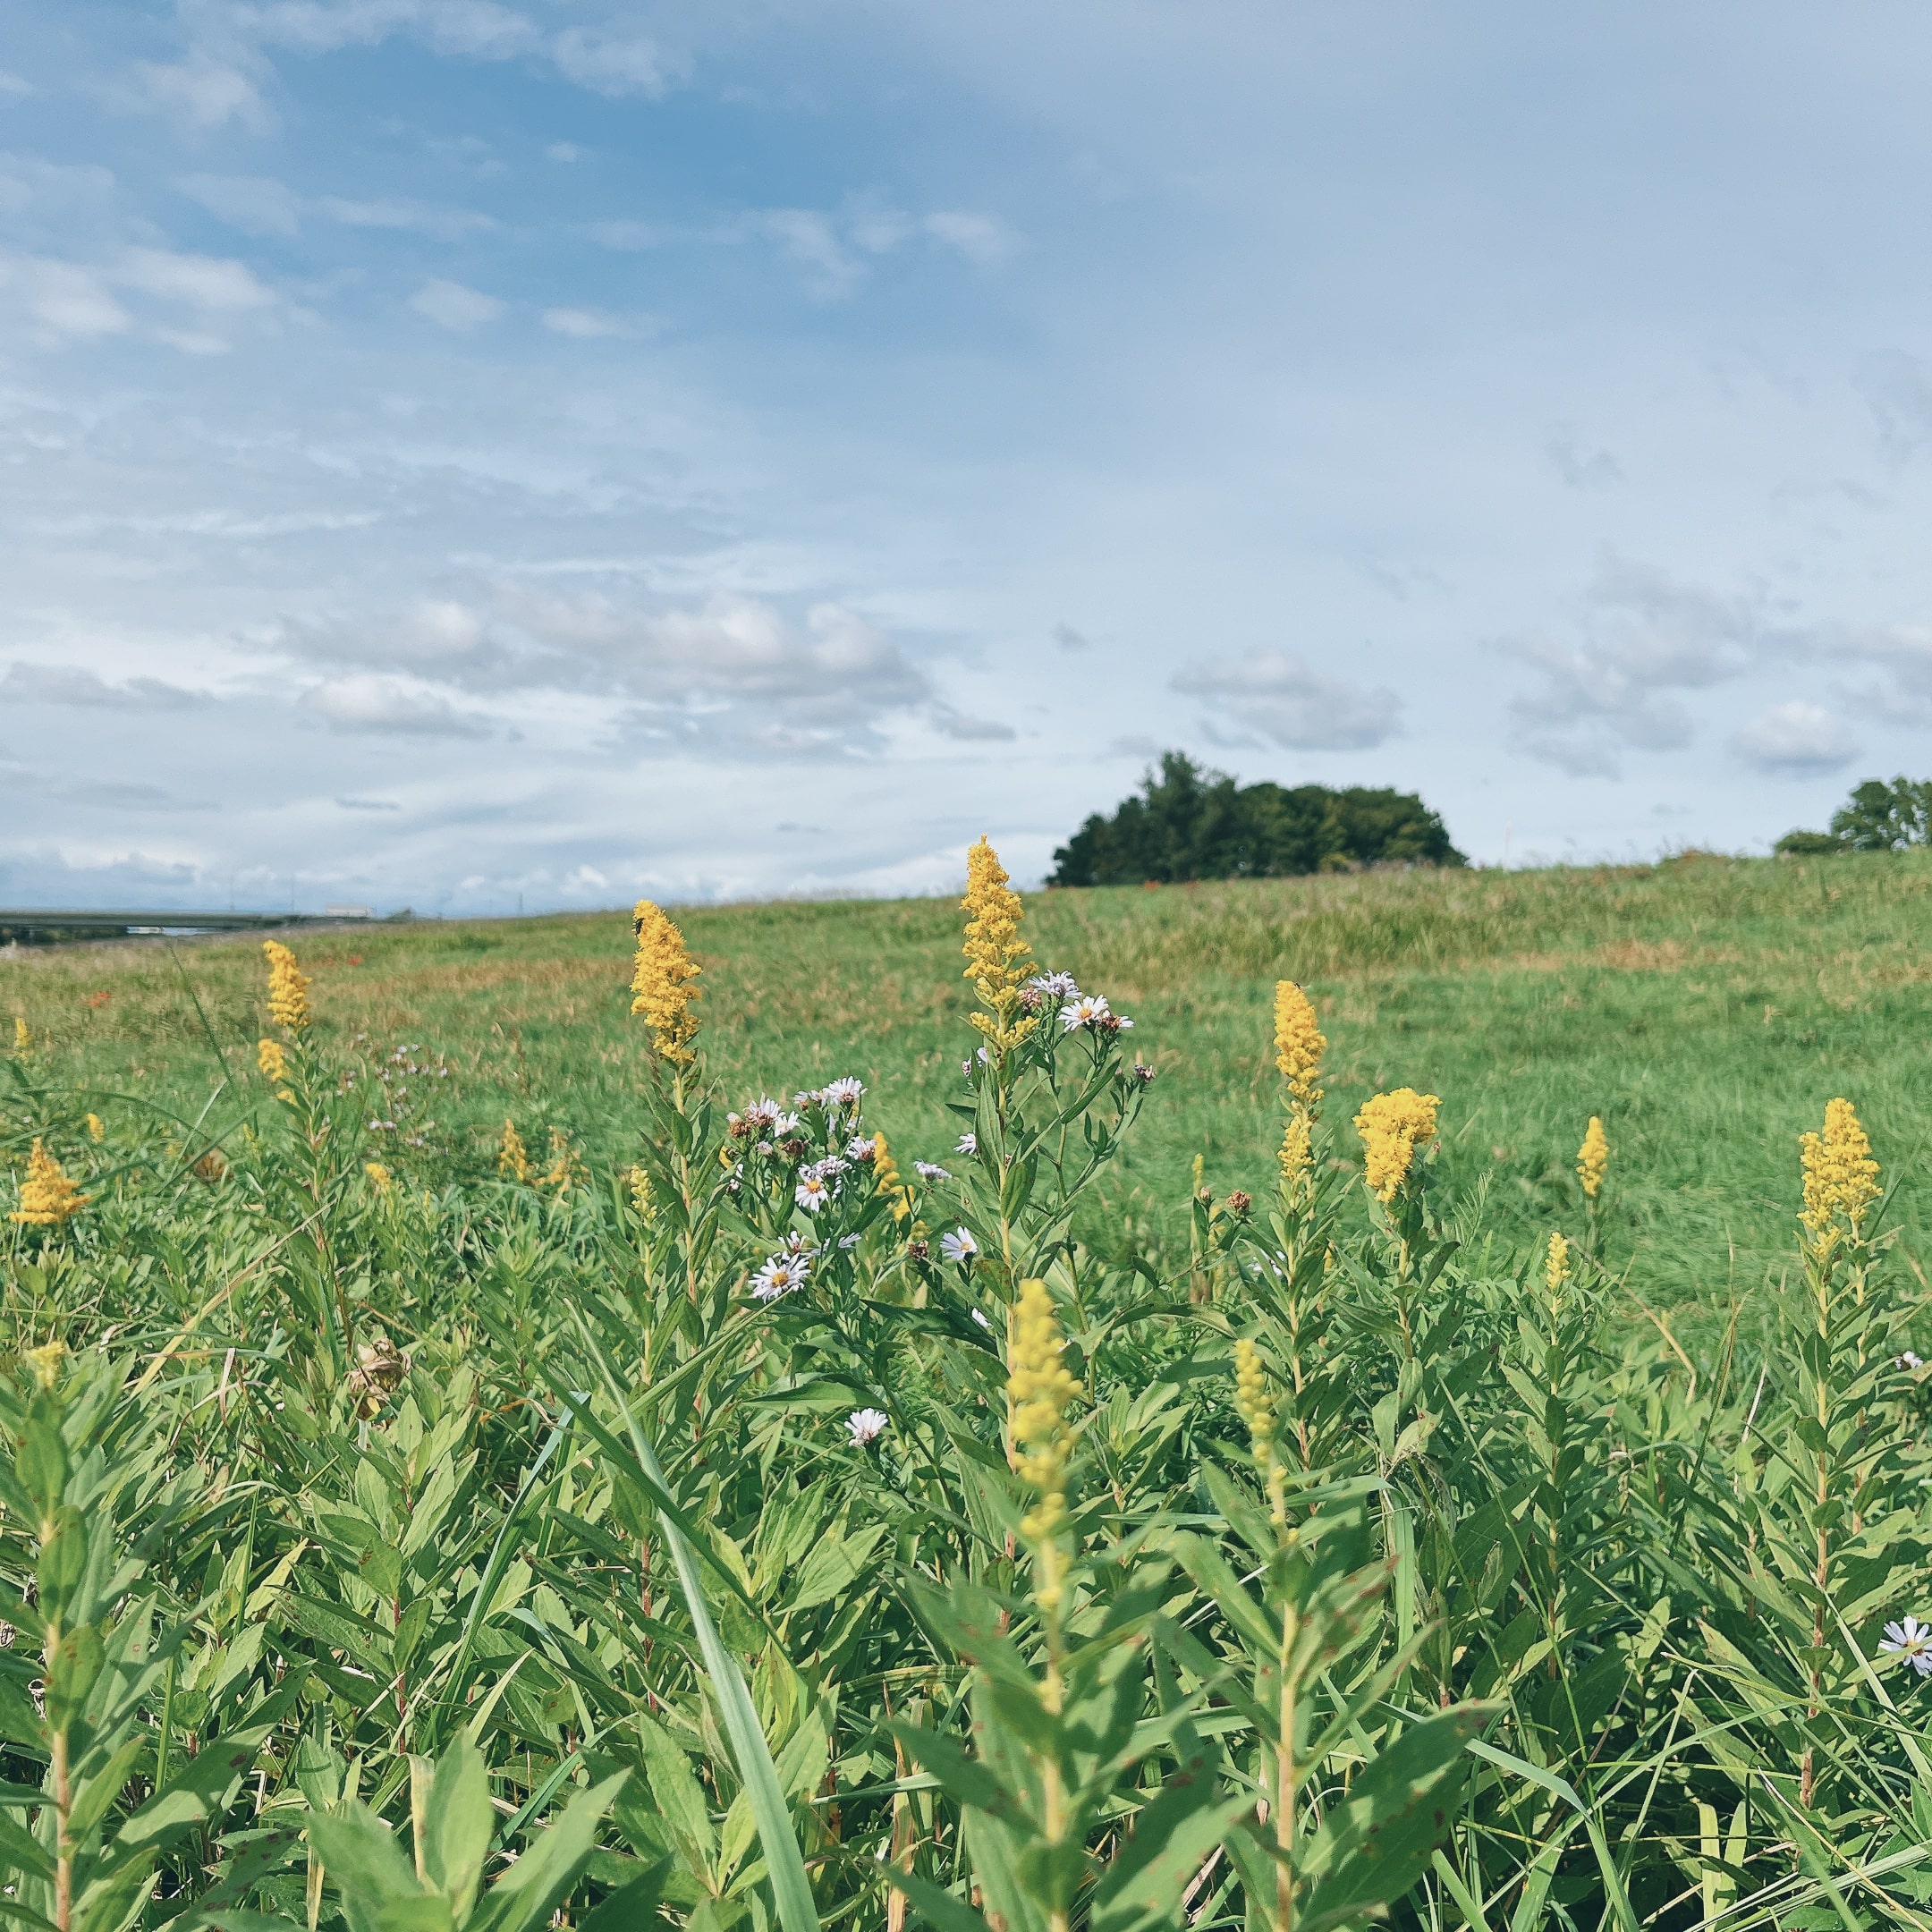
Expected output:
(1706, 1008)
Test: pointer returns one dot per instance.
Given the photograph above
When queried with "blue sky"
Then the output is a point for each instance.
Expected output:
(459, 450)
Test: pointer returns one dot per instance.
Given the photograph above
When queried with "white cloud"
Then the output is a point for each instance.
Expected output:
(586, 325)
(12, 83)
(419, 217)
(564, 151)
(613, 63)
(204, 281)
(807, 237)
(255, 204)
(1289, 704)
(452, 305)
(204, 92)
(61, 301)
(373, 703)
(982, 238)
(1796, 737)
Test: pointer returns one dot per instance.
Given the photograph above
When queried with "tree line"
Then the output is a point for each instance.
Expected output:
(1189, 822)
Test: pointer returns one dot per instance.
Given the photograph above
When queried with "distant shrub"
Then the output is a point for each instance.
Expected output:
(1191, 823)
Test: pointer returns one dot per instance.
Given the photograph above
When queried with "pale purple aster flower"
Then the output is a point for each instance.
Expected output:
(779, 1276)
(867, 1426)
(927, 1171)
(969, 1143)
(812, 1193)
(959, 1245)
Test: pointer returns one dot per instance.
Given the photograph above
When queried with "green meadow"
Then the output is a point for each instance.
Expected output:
(1706, 1008)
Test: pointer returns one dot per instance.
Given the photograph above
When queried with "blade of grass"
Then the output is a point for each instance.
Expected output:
(785, 1864)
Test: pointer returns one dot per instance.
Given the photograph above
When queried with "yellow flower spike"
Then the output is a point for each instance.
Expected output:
(1039, 1393)
(565, 1168)
(1296, 1149)
(48, 1196)
(22, 1037)
(1840, 1175)
(643, 1196)
(288, 987)
(887, 1170)
(1392, 1126)
(97, 1129)
(1299, 1044)
(1255, 1405)
(512, 1157)
(271, 1057)
(661, 982)
(379, 1176)
(997, 959)
(46, 1361)
(1557, 1264)
(1593, 1158)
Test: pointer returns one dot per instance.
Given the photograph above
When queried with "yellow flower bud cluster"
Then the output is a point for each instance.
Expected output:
(1039, 1393)
(288, 987)
(271, 1057)
(97, 1129)
(997, 959)
(1296, 1149)
(1299, 1044)
(643, 1196)
(1593, 1158)
(1392, 1126)
(1255, 1405)
(889, 1183)
(1840, 1175)
(22, 1038)
(662, 984)
(512, 1157)
(46, 1361)
(1556, 1265)
(379, 1177)
(566, 1168)
(48, 1196)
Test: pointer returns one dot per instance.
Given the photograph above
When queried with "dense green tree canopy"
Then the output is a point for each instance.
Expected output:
(1191, 823)
(1876, 818)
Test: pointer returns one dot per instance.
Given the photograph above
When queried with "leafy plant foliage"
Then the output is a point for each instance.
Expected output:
(1876, 818)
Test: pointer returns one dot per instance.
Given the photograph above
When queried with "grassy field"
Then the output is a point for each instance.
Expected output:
(1706, 1008)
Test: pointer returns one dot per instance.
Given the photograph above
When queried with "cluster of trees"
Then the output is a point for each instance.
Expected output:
(1191, 823)
(1876, 818)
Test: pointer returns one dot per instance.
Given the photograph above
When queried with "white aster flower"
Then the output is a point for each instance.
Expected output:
(1087, 1010)
(1909, 1360)
(867, 1426)
(1911, 1641)
(849, 1240)
(1059, 985)
(959, 1245)
(763, 1111)
(812, 1193)
(860, 1148)
(844, 1092)
(780, 1275)
(969, 1143)
(927, 1171)
(784, 1124)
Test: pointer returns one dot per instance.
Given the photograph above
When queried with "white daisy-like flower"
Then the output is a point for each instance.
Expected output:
(812, 1193)
(1909, 1360)
(780, 1275)
(860, 1148)
(763, 1111)
(959, 1245)
(1059, 985)
(849, 1240)
(1087, 1010)
(784, 1124)
(844, 1092)
(828, 1169)
(1912, 1641)
(867, 1426)
(969, 1143)
(795, 1243)
(929, 1171)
